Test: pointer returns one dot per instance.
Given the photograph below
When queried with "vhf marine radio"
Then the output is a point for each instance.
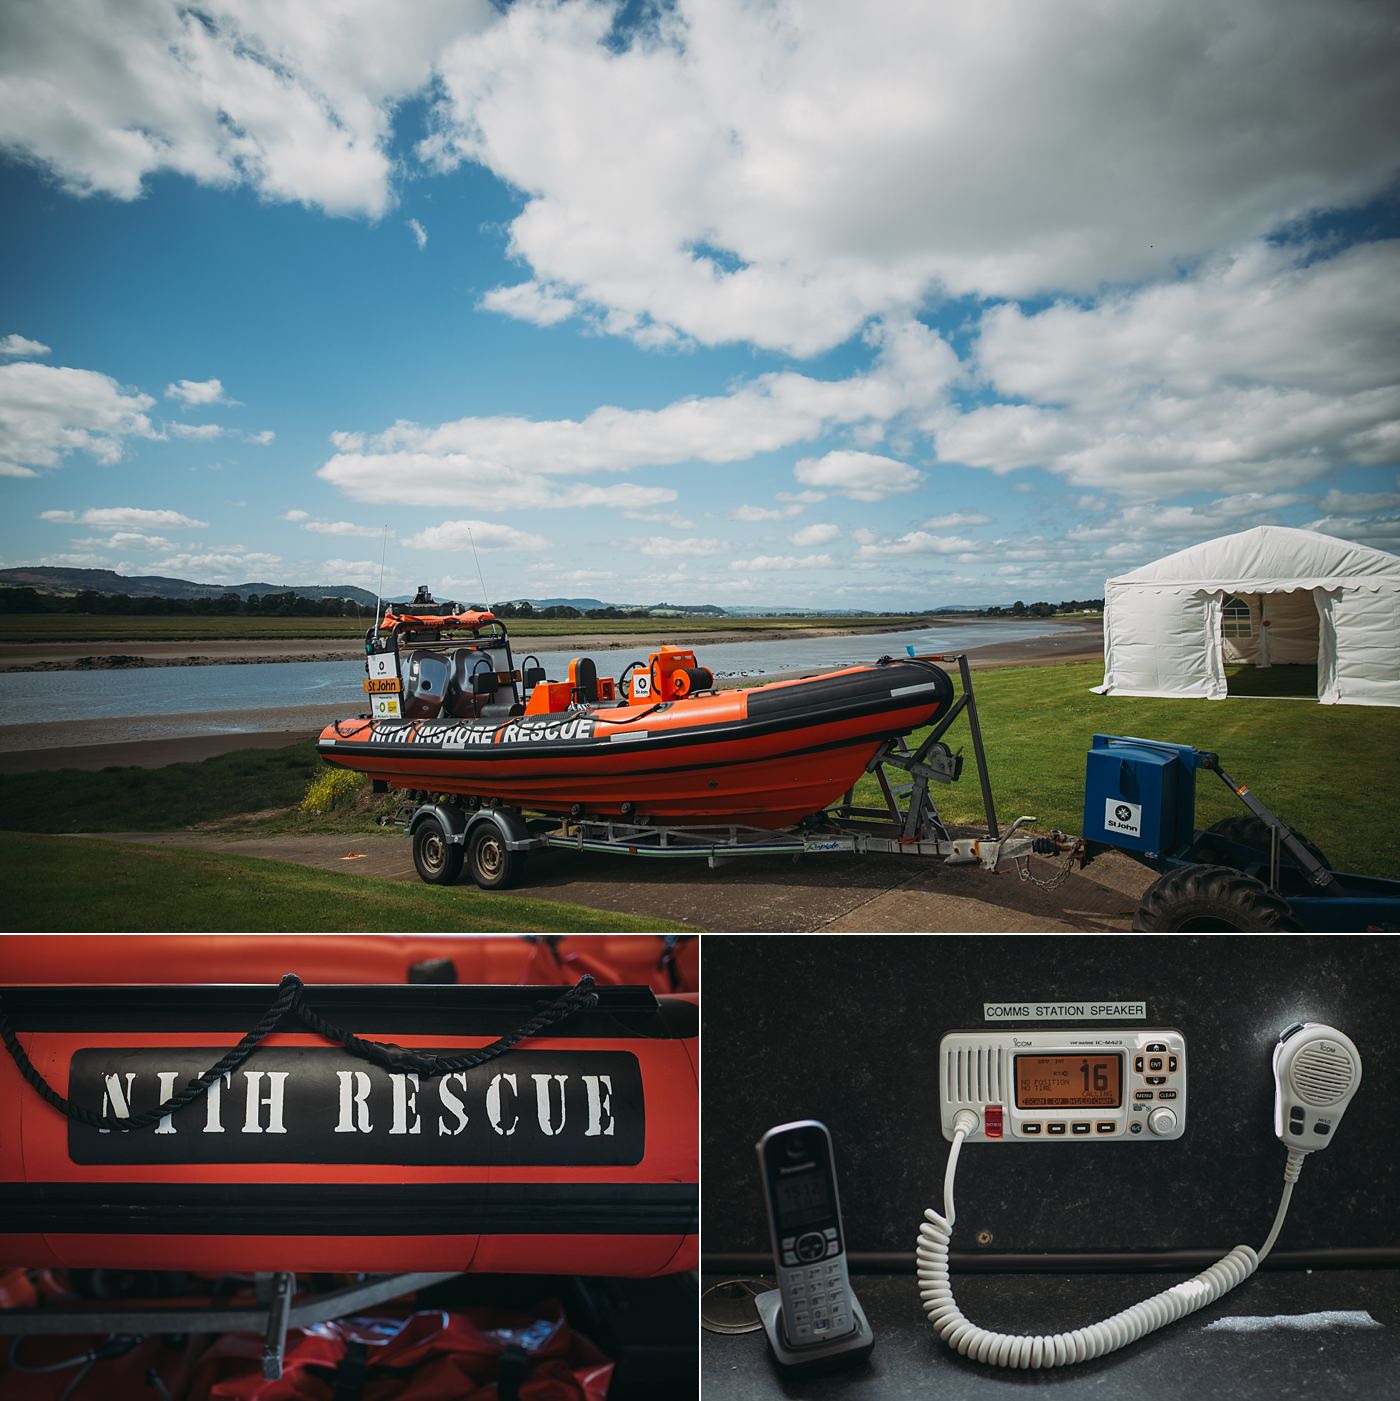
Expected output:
(813, 1319)
(1099, 1085)
(1095, 1086)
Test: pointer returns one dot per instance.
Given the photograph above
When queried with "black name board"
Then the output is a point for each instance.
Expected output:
(320, 1105)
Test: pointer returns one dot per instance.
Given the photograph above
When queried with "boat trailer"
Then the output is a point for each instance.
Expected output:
(494, 840)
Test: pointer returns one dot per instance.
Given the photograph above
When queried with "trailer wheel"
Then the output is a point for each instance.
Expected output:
(490, 862)
(1247, 830)
(1209, 900)
(439, 861)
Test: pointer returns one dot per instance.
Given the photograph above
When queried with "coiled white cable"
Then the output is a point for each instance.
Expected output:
(1062, 1349)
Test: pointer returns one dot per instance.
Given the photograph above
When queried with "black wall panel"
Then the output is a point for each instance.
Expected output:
(845, 1028)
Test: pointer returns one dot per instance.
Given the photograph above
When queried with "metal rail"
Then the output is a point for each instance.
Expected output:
(277, 1311)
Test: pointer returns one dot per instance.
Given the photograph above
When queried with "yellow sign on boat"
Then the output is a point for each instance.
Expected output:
(382, 685)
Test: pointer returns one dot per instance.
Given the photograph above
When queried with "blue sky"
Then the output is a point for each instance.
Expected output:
(712, 303)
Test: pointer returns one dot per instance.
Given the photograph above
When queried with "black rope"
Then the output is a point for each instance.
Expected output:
(290, 1000)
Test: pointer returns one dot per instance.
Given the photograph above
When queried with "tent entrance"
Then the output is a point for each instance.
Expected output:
(1269, 643)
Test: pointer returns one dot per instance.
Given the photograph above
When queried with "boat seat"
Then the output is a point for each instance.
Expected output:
(501, 712)
(583, 677)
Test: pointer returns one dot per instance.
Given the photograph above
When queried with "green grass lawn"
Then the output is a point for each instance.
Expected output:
(1325, 769)
(65, 627)
(158, 800)
(77, 885)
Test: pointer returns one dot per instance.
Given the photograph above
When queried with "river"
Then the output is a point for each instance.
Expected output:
(164, 702)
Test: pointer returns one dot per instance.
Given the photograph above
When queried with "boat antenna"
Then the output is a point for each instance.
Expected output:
(384, 550)
(485, 596)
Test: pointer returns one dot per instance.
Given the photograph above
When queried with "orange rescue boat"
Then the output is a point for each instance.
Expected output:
(453, 713)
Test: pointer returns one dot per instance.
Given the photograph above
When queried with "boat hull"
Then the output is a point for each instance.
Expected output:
(764, 757)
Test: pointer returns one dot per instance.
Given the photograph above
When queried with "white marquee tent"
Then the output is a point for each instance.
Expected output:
(1265, 596)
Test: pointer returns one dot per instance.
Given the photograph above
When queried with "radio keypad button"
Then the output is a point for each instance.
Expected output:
(1166, 1094)
(1155, 1063)
(1056, 1127)
(1138, 1064)
(1171, 1064)
(1030, 1128)
(1105, 1126)
(1156, 1045)
(1080, 1128)
(1143, 1094)
(1154, 1079)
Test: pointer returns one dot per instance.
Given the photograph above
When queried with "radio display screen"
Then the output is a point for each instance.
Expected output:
(1069, 1082)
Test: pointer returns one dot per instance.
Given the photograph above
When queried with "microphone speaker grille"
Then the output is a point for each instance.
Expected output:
(1321, 1077)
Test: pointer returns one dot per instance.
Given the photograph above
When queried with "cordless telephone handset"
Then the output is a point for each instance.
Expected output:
(812, 1317)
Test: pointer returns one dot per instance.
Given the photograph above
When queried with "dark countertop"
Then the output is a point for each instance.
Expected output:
(1242, 1347)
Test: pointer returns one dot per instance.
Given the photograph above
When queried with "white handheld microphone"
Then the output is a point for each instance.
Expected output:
(1317, 1070)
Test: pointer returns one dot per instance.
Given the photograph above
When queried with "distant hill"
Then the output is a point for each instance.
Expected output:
(107, 581)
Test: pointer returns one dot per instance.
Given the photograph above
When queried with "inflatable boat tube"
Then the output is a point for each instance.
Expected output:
(652, 960)
(575, 1152)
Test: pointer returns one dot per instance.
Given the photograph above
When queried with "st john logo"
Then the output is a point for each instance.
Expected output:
(320, 1105)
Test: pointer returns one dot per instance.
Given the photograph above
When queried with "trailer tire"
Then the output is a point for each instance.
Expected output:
(438, 860)
(1248, 830)
(1212, 899)
(490, 862)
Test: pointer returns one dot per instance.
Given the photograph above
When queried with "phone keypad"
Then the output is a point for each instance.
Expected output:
(816, 1297)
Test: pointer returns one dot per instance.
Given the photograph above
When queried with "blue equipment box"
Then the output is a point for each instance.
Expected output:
(1139, 794)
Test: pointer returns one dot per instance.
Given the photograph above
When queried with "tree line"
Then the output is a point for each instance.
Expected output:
(1020, 609)
(268, 605)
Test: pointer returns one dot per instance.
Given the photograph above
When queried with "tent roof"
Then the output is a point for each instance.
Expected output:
(1270, 556)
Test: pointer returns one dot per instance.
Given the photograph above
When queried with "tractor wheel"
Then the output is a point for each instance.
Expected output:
(1210, 900)
(490, 862)
(1248, 830)
(439, 861)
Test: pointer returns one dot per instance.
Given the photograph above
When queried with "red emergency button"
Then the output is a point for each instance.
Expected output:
(991, 1117)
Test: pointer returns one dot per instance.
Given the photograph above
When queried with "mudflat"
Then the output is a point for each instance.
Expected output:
(127, 652)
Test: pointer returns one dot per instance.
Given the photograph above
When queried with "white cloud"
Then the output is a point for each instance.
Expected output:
(200, 432)
(128, 540)
(954, 521)
(486, 535)
(863, 476)
(1356, 503)
(780, 174)
(784, 563)
(197, 392)
(765, 513)
(1380, 532)
(342, 528)
(674, 519)
(528, 301)
(1263, 370)
(125, 518)
(295, 516)
(293, 100)
(231, 564)
(364, 572)
(916, 542)
(22, 345)
(815, 534)
(504, 459)
(262, 439)
(1155, 521)
(47, 411)
(420, 234)
(692, 548)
